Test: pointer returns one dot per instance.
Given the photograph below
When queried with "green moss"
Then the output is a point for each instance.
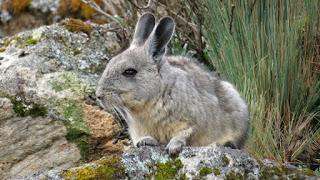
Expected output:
(70, 81)
(225, 161)
(30, 40)
(317, 172)
(205, 171)
(308, 172)
(24, 108)
(10, 40)
(22, 42)
(108, 168)
(78, 131)
(73, 51)
(216, 172)
(280, 172)
(167, 170)
(76, 51)
(232, 175)
(183, 177)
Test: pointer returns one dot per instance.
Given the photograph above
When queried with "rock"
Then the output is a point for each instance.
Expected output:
(211, 162)
(194, 162)
(32, 144)
(45, 6)
(6, 109)
(45, 75)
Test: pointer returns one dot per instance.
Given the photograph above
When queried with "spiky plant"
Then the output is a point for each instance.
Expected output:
(270, 51)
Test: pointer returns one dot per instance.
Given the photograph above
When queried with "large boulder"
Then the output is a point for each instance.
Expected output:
(45, 76)
(32, 144)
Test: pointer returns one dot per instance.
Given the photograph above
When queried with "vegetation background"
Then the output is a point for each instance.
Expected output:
(270, 49)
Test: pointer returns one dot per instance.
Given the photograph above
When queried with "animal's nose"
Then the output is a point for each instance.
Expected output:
(99, 95)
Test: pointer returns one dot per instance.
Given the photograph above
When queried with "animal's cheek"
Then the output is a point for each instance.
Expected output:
(132, 101)
(126, 97)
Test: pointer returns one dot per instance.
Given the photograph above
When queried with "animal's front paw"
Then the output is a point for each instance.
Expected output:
(147, 141)
(174, 147)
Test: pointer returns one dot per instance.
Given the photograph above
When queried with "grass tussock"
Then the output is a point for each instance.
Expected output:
(77, 25)
(270, 51)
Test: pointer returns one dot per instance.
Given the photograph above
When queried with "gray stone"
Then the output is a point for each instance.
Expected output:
(138, 160)
(45, 6)
(210, 162)
(31, 144)
(6, 109)
(31, 68)
(43, 66)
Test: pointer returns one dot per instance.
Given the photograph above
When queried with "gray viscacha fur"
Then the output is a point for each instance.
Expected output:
(170, 99)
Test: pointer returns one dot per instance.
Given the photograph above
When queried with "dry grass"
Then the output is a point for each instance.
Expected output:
(16, 6)
(270, 51)
(67, 7)
(77, 25)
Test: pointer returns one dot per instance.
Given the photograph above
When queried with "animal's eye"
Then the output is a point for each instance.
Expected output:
(129, 72)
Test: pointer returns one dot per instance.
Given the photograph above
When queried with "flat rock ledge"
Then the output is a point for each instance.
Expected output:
(211, 162)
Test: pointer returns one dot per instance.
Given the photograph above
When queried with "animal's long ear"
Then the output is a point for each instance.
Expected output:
(160, 38)
(143, 29)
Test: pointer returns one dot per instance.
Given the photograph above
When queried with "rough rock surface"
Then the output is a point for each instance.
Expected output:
(31, 144)
(220, 160)
(45, 6)
(45, 76)
(211, 162)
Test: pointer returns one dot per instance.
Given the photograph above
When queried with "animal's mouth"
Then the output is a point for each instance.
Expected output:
(100, 104)
(109, 100)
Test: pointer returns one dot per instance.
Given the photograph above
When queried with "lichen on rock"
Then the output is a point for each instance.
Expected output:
(44, 81)
(105, 168)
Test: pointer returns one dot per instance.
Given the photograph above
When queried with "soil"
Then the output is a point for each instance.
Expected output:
(104, 128)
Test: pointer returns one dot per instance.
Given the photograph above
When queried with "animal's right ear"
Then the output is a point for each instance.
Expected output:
(143, 29)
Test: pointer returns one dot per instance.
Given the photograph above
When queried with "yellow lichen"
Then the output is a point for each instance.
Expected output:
(77, 25)
(77, 7)
(107, 168)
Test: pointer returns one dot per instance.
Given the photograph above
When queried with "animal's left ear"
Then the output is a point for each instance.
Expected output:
(160, 37)
(143, 29)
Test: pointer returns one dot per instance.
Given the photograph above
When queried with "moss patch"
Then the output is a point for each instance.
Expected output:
(25, 108)
(30, 40)
(216, 172)
(269, 172)
(22, 42)
(225, 160)
(70, 81)
(205, 171)
(10, 40)
(76, 51)
(77, 25)
(71, 111)
(167, 170)
(232, 175)
(78, 131)
(2, 49)
(108, 168)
